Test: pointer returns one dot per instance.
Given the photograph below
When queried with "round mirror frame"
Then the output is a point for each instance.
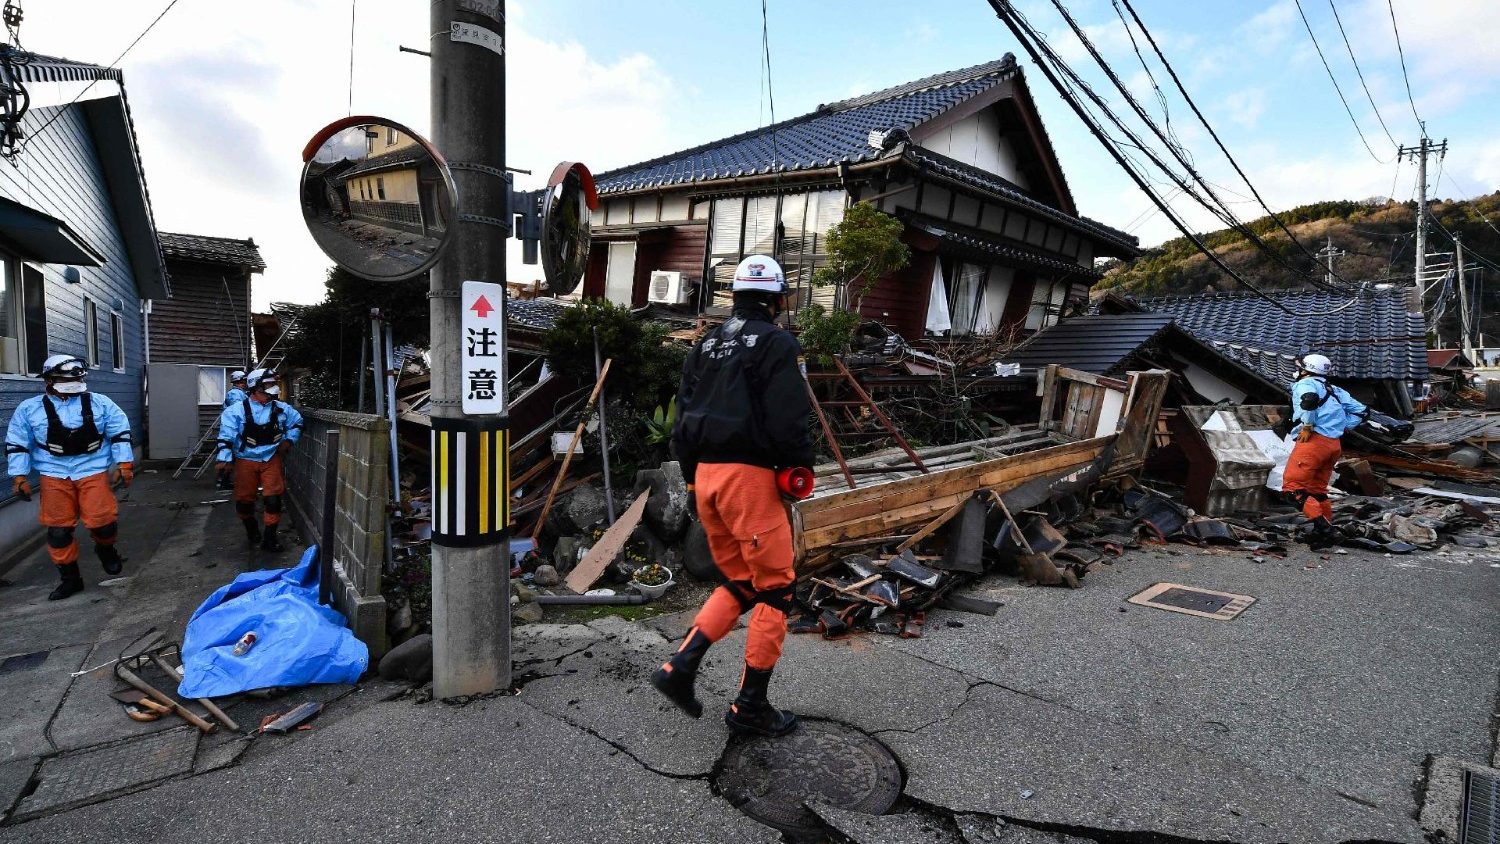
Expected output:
(552, 265)
(327, 132)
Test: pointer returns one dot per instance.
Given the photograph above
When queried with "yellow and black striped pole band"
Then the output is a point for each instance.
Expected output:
(470, 481)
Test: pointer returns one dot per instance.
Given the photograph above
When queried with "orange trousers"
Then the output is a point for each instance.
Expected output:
(65, 501)
(1308, 471)
(252, 475)
(751, 541)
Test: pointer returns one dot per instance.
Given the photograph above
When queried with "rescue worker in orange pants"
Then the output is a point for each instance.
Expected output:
(1324, 412)
(71, 437)
(743, 414)
(254, 435)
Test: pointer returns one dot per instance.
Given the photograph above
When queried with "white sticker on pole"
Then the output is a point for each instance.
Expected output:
(483, 343)
(470, 33)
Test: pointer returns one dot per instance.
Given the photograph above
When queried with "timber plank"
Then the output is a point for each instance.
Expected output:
(821, 512)
(607, 548)
(1000, 475)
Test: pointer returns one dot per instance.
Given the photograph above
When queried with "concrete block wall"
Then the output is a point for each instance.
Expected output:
(361, 517)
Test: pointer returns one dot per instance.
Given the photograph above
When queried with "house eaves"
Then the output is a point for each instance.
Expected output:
(110, 123)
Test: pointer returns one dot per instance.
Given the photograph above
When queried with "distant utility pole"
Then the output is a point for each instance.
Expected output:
(1420, 154)
(1465, 332)
(470, 573)
(1331, 254)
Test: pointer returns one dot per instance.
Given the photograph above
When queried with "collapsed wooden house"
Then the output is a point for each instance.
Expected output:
(1087, 422)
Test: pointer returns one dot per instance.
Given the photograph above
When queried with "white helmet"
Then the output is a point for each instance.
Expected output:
(236, 376)
(1316, 364)
(65, 368)
(759, 273)
(255, 378)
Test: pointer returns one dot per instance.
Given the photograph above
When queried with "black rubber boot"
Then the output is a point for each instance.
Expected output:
(677, 675)
(268, 539)
(72, 582)
(110, 557)
(1322, 535)
(252, 529)
(752, 713)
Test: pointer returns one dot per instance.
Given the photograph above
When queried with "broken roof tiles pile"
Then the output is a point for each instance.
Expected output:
(1374, 338)
(536, 314)
(212, 250)
(836, 132)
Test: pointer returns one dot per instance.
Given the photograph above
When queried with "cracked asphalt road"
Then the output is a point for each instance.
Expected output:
(1060, 719)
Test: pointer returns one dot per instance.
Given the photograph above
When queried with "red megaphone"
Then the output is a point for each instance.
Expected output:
(795, 482)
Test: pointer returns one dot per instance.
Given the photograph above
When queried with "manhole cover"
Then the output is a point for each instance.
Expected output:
(1190, 600)
(770, 779)
(87, 776)
(24, 662)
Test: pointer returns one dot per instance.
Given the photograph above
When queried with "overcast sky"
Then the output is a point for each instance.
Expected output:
(224, 96)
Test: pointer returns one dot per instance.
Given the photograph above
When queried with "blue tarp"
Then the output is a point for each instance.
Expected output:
(298, 641)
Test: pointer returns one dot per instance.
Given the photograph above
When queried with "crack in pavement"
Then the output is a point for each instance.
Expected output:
(620, 747)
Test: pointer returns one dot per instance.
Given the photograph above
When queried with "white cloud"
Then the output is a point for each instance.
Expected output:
(224, 111)
(1245, 107)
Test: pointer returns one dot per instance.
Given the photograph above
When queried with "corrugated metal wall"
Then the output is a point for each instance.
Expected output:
(60, 174)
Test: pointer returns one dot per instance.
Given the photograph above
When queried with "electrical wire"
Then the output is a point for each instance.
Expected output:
(1402, 53)
(123, 53)
(765, 43)
(1335, 81)
(1220, 208)
(1161, 97)
(1456, 186)
(1025, 34)
(1197, 112)
(1360, 73)
(353, 5)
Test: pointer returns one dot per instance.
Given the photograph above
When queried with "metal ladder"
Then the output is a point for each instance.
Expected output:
(202, 454)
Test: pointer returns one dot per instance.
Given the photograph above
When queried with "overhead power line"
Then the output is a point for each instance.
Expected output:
(1360, 73)
(1219, 208)
(1402, 54)
(116, 62)
(1336, 88)
(1050, 66)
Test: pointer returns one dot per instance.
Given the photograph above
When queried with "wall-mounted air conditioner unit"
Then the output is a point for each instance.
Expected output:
(667, 288)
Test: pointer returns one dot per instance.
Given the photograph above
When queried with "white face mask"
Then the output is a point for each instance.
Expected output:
(273, 391)
(71, 388)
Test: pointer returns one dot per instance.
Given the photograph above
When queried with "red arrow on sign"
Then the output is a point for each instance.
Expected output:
(482, 307)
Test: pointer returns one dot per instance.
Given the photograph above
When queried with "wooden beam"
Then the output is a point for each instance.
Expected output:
(607, 548)
(932, 526)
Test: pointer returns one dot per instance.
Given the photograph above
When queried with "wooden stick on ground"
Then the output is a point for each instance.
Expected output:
(572, 446)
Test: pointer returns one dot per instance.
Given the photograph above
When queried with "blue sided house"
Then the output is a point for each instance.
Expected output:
(78, 251)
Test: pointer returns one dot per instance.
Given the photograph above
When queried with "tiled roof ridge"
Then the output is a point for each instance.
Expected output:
(1365, 288)
(1002, 65)
(248, 241)
(999, 66)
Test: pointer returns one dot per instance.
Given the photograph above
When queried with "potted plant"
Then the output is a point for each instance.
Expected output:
(652, 580)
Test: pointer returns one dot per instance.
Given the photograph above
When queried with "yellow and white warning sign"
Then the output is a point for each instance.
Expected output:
(470, 480)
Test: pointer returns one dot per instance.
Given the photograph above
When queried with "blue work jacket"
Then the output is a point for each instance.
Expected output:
(234, 396)
(26, 438)
(232, 430)
(1335, 416)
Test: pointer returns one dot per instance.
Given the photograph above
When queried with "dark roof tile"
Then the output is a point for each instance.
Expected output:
(212, 250)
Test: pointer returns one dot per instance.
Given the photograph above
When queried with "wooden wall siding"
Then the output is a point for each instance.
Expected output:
(680, 250)
(207, 320)
(1018, 304)
(593, 276)
(900, 300)
(60, 174)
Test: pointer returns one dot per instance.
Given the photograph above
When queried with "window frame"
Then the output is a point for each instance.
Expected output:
(117, 340)
(91, 332)
(223, 372)
(380, 187)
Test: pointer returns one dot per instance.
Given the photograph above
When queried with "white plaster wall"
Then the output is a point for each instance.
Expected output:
(976, 140)
(1207, 384)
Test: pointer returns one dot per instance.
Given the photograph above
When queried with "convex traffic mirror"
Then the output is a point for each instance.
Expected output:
(566, 203)
(377, 198)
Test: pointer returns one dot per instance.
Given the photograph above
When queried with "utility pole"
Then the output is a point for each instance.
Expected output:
(1465, 331)
(470, 574)
(1331, 254)
(1420, 153)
